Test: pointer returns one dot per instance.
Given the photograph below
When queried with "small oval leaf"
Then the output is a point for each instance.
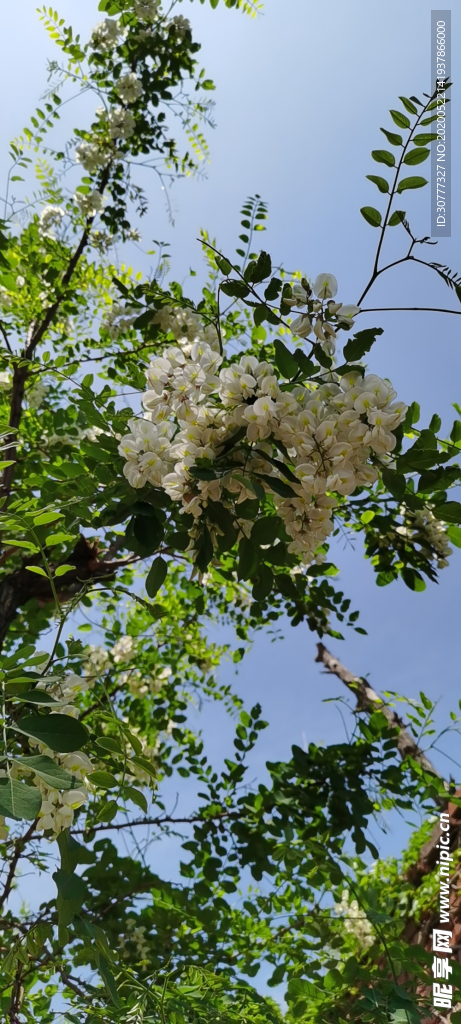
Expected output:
(371, 216)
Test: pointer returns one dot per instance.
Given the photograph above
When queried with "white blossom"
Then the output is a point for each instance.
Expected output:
(129, 89)
(36, 394)
(90, 204)
(121, 123)
(146, 10)
(50, 217)
(106, 34)
(325, 286)
(92, 156)
(180, 25)
(332, 432)
(355, 920)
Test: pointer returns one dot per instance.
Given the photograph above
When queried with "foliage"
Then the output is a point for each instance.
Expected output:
(258, 442)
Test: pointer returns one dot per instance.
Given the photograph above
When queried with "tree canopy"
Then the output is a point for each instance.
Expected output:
(169, 464)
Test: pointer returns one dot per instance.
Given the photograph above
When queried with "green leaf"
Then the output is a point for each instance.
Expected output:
(32, 696)
(396, 218)
(103, 780)
(278, 464)
(384, 578)
(412, 416)
(413, 579)
(416, 156)
(408, 105)
(305, 364)
(259, 269)
(224, 265)
(361, 343)
(156, 576)
(265, 530)
(383, 156)
(71, 887)
(248, 559)
(438, 479)
(47, 517)
(414, 182)
(382, 184)
(263, 584)
(108, 811)
(399, 119)
(72, 890)
(109, 744)
(135, 795)
(333, 979)
(221, 517)
(204, 550)
(425, 138)
(104, 969)
(18, 800)
(236, 289)
(62, 569)
(285, 360)
(37, 570)
(454, 534)
(147, 766)
(392, 137)
(455, 434)
(448, 512)
(147, 533)
(273, 289)
(277, 485)
(435, 423)
(47, 770)
(58, 732)
(371, 216)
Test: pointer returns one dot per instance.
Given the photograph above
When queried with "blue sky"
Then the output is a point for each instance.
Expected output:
(301, 94)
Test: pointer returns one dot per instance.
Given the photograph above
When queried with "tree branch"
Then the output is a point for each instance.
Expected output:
(411, 309)
(155, 821)
(368, 700)
(19, 847)
(21, 586)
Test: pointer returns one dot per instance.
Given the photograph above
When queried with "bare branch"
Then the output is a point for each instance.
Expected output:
(368, 700)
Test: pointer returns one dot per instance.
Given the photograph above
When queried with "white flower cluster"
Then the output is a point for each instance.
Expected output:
(106, 35)
(180, 25)
(119, 319)
(332, 434)
(146, 10)
(92, 156)
(423, 528)
(90, 203)
(355, 920)
(135, 934)
(121, 123)
(123, 652)
(50, 217)
(325, 287)
(36, 394)
(129, 89)
(187, 327)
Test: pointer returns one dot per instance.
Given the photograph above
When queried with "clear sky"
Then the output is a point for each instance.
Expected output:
(301, 94)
